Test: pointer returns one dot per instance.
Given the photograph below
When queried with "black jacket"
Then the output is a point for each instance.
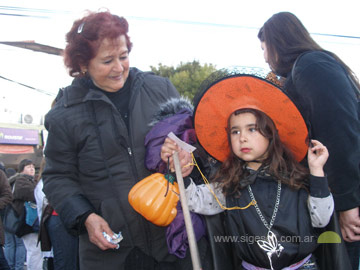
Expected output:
(292, 224)
(93, 160)
(322, 91)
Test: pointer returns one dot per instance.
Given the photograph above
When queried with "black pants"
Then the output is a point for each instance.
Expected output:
(3, 262)
(353, 249)
(48, 263)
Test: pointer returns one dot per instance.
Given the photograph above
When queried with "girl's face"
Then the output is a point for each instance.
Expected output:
(109, 69)
(247, 142)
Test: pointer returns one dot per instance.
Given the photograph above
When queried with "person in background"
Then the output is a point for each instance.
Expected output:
(64, 252)
(15, 252)
(95, 148)
(10, 172)
(326, 92)
(5, 199)
(23, 184)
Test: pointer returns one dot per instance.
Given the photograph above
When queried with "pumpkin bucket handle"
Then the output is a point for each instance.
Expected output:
(168, 177)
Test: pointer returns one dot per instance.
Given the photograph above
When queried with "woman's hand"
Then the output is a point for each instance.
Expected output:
(168, 149)
(95, 226)
(350, 224)
(317, 157)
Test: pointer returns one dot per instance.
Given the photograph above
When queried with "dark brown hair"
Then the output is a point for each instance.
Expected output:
(86, 35)
(23, 163)
(280, 161)
(286, 38)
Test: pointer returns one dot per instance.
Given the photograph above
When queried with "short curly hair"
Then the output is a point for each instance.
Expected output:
(86, 35)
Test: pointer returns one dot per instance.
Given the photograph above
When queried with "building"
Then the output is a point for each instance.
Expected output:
(30, 77)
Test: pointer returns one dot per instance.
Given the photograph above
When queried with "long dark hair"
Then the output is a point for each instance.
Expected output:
(286, 38)
(280, 162)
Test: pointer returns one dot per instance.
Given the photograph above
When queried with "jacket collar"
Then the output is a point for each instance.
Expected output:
(77, 92)
(16, 176)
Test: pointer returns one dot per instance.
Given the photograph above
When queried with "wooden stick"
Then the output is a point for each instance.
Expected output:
(188, 224)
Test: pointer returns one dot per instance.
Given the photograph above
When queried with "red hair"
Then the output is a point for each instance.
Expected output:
(86, 35)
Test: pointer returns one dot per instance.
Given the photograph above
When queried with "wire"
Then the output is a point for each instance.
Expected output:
(47, 11)
(223, 25)
(333, 35)
(23, 15)
(32, 88)
(33, 10)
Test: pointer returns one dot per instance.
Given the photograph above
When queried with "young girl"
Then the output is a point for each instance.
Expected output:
(279, 230)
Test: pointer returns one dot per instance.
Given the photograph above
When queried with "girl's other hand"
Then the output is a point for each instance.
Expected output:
(317, 157)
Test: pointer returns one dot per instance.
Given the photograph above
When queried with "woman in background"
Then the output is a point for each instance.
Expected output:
(326, 92)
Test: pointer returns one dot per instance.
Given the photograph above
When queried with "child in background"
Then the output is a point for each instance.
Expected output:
(254, 129)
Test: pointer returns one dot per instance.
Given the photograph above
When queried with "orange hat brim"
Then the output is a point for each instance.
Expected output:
(229, 94)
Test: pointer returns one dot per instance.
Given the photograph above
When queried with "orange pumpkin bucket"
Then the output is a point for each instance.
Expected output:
(155, 198)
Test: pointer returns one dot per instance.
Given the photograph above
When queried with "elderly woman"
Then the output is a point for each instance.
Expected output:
(326, 91)
(95, 148)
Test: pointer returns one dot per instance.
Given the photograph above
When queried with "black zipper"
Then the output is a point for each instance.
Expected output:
(136, 84)
(127, 144)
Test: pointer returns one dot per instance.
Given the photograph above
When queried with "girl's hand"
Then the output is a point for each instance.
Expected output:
(168, 149)
(317, 157)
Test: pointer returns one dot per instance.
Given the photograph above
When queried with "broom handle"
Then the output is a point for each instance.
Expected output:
(188, 224)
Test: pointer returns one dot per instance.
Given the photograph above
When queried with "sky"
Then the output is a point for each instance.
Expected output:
(222, 33)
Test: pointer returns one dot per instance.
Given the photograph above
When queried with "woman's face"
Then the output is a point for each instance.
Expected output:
(263, 47)
(247, 142)
(109, 69)
(29, 170)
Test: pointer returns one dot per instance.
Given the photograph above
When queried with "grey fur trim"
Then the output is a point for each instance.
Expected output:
(170, 108)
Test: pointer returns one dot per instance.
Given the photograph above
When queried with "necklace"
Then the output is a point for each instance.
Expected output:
(270, 246)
